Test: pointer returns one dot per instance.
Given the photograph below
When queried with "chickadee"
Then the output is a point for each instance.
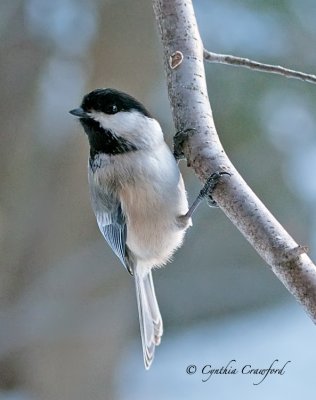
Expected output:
(137, 195)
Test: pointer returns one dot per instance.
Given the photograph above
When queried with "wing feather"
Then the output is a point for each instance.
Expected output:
(114, 233)
(112, 224)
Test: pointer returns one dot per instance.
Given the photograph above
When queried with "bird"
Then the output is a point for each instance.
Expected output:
(137, 195)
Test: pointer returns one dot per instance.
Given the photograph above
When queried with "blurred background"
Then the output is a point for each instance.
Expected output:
(68, 315)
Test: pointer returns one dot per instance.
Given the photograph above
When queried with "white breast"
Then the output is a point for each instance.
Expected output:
(152, 201)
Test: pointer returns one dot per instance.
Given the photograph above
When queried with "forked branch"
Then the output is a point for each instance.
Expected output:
(200, 144)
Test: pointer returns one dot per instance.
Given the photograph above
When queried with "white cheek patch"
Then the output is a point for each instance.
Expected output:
(132, 126)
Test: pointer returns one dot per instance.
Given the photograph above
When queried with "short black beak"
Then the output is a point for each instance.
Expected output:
(78, 112)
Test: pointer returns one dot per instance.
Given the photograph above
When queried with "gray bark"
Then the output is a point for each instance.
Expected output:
(201, 147)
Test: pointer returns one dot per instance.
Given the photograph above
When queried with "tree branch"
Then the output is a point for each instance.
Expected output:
(183, 59)
(255, 65)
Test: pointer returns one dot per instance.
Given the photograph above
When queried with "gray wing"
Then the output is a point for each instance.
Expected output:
(112, 224)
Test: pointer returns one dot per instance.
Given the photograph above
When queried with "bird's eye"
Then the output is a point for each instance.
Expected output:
(111, 109)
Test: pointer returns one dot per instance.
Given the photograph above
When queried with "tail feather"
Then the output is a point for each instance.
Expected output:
(151, 327)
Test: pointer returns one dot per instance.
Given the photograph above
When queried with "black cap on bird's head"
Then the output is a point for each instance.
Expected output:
(108, 101)
(114, 121)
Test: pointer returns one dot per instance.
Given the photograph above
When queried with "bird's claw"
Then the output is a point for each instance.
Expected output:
(210, 186)
(178, 140)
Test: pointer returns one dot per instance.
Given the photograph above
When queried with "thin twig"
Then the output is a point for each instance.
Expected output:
(257, 66)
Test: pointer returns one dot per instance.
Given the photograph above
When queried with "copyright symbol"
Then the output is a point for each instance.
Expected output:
(191, 369)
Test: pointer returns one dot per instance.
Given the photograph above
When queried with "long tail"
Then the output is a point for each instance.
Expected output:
(150, 321)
